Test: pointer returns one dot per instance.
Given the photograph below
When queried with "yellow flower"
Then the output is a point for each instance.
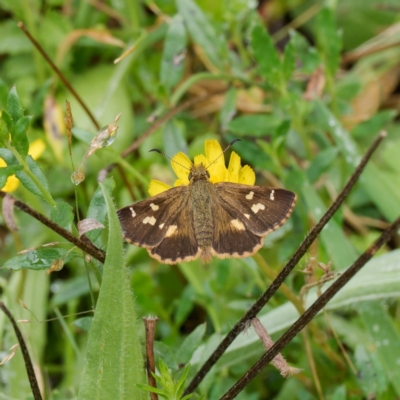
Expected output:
(214, 160)
(36, 148)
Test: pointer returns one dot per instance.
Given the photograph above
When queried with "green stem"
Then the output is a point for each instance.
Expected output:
(45, 193)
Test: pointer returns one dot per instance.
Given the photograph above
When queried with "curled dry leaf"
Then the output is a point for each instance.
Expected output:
(87, 225)
(56, 265)
(315, 85)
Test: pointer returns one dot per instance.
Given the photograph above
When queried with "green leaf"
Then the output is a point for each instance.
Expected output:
(321, 163)
(173, 137)
(62, 214)
(113, 363)
(165, 353)
(28, 182)
(266, 56)
(8, 157)
(172, 63)
(328, 40)
(201, 30)
(19, 137)
(228, 109)
(190, 344)
(3, 95)
(288, 61)
(83, 323)
(6, 117)
(97, 208)
(14, 106)
(254, 125)
(5, 172)
(39, 259)
(384, 339)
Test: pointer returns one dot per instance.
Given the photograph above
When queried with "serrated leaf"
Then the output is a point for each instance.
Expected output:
(190, 344)
(97, 208)
(14, 105)
(28, 182)
(328, 40)
(172, 63)
(266, 56)
(173, 137)
(39, 259)
(114, 364)
(201, 30)
(5, 172)
(288, 61)
(254, 125)
(62, 214)
(19, 137)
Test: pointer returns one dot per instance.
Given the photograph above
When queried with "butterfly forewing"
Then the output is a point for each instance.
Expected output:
(260, 209)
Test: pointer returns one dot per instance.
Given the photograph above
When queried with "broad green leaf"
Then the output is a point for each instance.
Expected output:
(377, 182)
(173, 137)
(384, 339)
(97, 208)
(201, 30)
(254, 125)
(328, 40)
(14, 105)
(173, 60)
(29, 183)
(190, 344)
(165, 352)
(62, 214)
(378, 279)
(321, 162)
(266, 56)
(114, 362)
(83, 323)
(5, 172)
(41, 258)
(19, 137)
(8, 157)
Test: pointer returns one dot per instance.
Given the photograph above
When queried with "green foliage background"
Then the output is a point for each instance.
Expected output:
(306, 102)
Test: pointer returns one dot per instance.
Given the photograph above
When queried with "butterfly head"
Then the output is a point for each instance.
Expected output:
(198, 173)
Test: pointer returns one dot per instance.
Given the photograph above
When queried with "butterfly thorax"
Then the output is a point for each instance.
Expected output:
(201, 191)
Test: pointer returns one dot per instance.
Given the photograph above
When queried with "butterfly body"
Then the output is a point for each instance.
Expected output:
(205, 219)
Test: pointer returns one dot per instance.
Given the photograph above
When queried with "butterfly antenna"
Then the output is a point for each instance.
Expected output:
(227, 147)
(169, 158)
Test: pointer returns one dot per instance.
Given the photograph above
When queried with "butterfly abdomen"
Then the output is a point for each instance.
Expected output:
(202, 217)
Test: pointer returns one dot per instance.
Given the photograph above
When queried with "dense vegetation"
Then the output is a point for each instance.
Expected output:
(306, 86)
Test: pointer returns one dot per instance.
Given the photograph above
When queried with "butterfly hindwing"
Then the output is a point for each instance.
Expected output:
(163, 225)
(260, 209)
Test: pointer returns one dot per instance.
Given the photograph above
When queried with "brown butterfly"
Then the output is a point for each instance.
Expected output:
(205, 219)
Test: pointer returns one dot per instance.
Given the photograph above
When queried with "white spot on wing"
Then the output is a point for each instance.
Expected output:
(238, 225)
(247, 216)
(149, 220)
(257, 207)
(271, 196)
(154, 207)
(161, 226)
(171, 230)
(133, 212)
(250, 195)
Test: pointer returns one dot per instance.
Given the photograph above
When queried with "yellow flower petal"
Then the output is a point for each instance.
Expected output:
(217, 169)
(234, 168)
(157, 187)
(247, 176)
(12, 181)
(200, 159)
(181, 166)
(36, 148)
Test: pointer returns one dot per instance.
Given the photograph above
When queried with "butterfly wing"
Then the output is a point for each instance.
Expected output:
(163, 224)
(244, 215)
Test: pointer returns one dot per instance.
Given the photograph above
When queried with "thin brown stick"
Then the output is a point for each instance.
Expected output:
(264, 298)
(317, 306)
(87, 246)
(150, 325)
(25, 353)
(59, 73)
